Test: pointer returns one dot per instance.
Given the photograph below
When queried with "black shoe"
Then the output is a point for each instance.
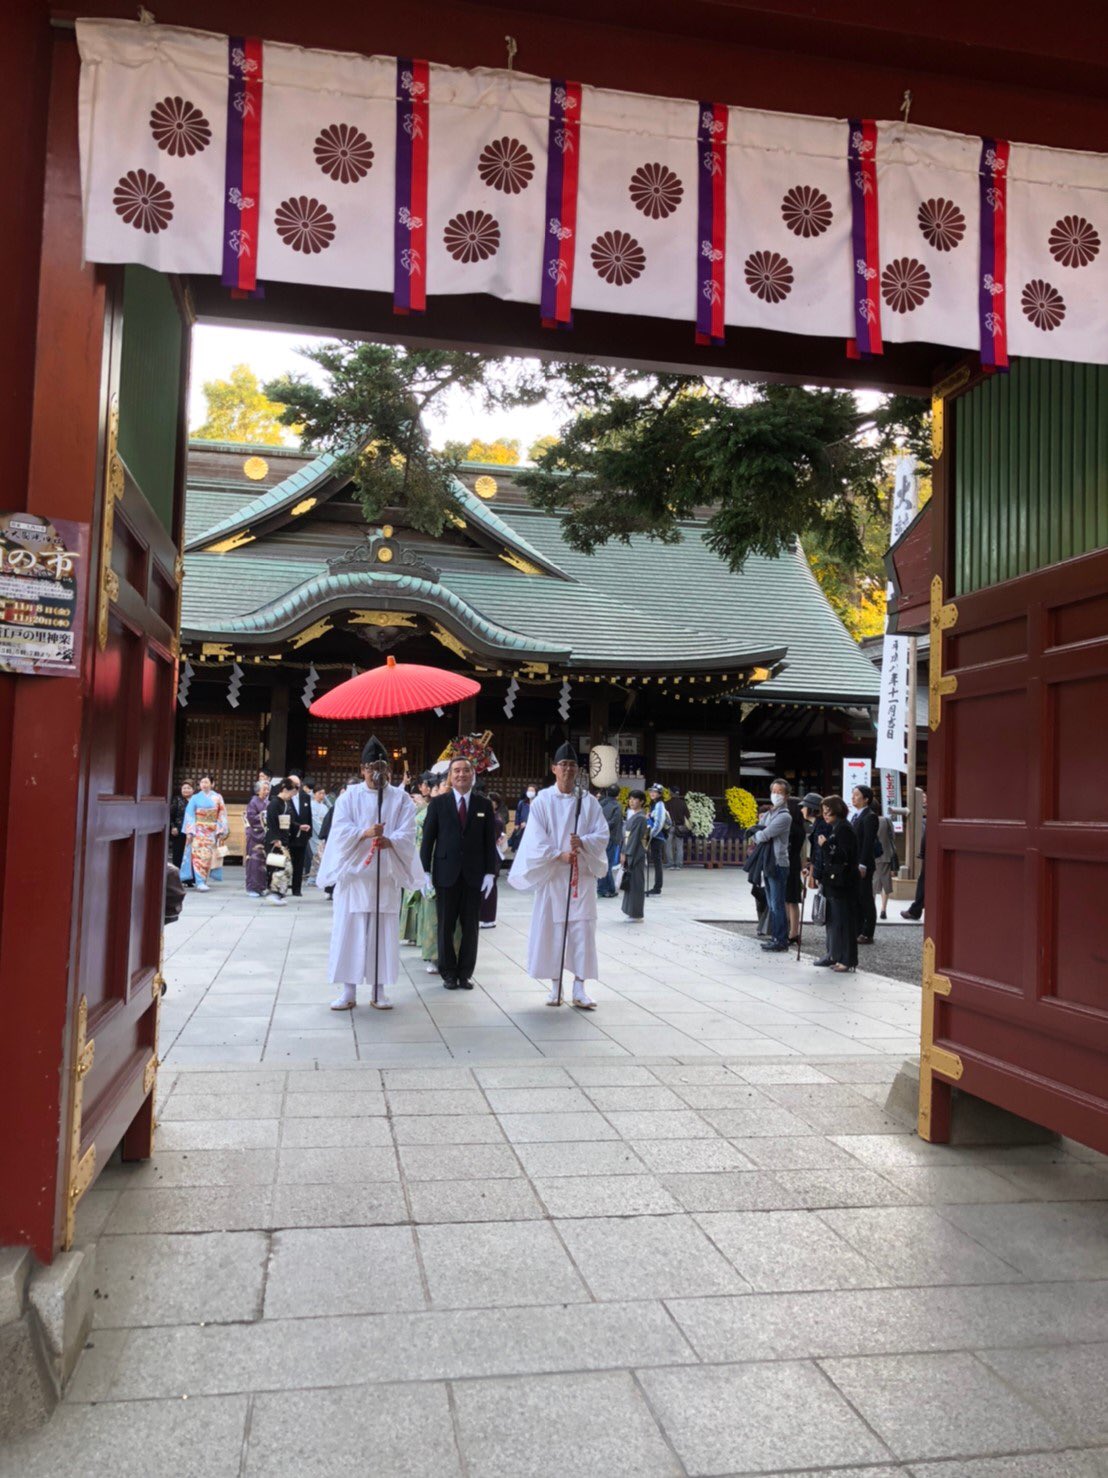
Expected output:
(827, 960)
(450, 982)
(653, 892)
(910, 913)
(865, 938)
(775, 949)
(465, 984)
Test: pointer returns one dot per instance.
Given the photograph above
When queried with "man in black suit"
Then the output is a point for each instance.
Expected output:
(459, 857)
(301, 830)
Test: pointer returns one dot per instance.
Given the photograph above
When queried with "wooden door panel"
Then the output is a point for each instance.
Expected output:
(1018, 849)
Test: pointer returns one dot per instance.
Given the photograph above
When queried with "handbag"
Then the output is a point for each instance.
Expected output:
(276, 858)
(221, 851)
(618, 874)
(819, 909)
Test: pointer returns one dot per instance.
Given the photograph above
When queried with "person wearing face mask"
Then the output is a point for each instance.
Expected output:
(523, 810)
(774, 828)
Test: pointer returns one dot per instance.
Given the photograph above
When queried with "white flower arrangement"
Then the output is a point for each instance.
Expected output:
(702, 813)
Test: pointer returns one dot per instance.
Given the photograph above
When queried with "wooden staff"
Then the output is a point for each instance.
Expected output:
(379, 785)
(800, 926)
(569, 890)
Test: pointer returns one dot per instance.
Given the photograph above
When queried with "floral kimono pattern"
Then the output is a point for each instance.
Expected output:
(205, 826)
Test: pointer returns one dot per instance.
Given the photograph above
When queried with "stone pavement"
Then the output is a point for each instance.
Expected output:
(529, 1243)
(246, 986)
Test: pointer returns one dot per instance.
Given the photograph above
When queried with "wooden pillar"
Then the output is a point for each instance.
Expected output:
(467, 716)
(278, 755)
(598, 717)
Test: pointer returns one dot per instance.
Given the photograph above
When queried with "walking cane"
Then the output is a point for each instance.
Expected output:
(569, 889)
(800, 926)
(379, 785)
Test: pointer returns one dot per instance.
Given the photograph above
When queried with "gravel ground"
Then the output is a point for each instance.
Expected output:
(895, 952)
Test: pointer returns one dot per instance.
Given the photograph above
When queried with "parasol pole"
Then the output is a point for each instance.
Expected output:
(569, 888)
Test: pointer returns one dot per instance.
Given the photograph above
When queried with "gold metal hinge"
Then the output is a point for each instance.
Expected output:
(80, 1169)
(943, 617)
(150, 1075)
(932, 1059)
(944, 388)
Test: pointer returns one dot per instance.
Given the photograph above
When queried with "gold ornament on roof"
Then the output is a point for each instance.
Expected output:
(485, 487)
(256, 468)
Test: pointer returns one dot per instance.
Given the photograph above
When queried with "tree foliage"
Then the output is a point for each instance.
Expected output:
(240, 410)
(641, 453)
(501, 451)
(371, 411)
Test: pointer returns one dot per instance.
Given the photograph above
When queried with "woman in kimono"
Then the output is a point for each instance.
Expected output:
(278, 829)
(205, 826)
(412, 902)
(254, 827)
(839, 881)
(633, 855)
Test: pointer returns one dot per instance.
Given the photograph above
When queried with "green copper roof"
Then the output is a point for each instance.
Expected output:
(277, 499)
(642, 605)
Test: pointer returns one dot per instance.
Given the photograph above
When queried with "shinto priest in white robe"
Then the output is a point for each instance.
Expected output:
(357, 921)
(537, 867)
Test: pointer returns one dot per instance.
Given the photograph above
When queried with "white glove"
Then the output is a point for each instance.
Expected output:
(487, 883)
(428, 885)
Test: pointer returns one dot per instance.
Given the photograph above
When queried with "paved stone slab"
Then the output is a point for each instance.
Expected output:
(472, 1200)
(372, 1204)
(335, 1166)
(335, 1133)
(437, 1101)
(221, 1106)
(348, 1104)
(292, 1354)
(606, 1195)
(195, 1209)
(603, 1427)
(650, 1125)
(744, 1190)
(603, 1157)
(914, 1245)
(349, 1433)
(648, 1257)
(154, 1439)
(755, 1418)
(335, 1080)
(788, 1326)
(926, 1406)
(342, 1270)
(159, 1279)
(458, 1161)
(193, 1168)
(1069, 1385)
(687, 1156)
(211, 1134)
(497, 1264)
(1019, 1465)
(549, 1128)
(443, 1129)
(787, 1250)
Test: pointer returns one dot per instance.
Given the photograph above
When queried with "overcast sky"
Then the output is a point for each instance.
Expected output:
(215, 351)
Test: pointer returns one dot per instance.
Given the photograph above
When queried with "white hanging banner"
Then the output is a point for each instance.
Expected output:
(252, 160)
(892, 715)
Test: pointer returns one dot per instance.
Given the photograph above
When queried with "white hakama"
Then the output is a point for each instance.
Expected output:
(537, 867)
(361, 917)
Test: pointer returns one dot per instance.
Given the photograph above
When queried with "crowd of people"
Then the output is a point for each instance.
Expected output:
(438, 845)
(845, 855)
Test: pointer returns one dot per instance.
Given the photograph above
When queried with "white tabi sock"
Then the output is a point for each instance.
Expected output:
(346, 1000)
(579, 996)
(552, 998)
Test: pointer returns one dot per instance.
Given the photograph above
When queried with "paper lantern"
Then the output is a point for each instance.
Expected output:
(604, 764)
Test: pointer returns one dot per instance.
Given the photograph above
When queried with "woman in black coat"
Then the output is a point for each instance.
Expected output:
(865, 829)
(839, 881)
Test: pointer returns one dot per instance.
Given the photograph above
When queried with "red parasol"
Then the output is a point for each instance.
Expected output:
(392, 690)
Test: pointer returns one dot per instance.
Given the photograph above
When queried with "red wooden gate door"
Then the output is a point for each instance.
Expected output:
(1015, 1002)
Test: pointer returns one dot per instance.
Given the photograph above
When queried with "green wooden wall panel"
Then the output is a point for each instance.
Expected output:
(1030, 470)
(149, 385)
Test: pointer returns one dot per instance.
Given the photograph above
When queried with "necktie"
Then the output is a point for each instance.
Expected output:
(462, 813)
